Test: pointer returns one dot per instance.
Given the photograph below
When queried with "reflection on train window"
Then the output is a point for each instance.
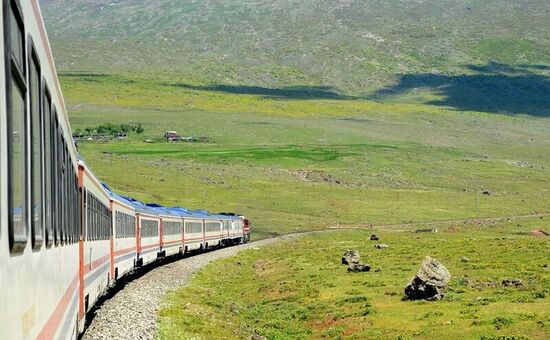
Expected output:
(17, 168)
(213, 227)
(17, 134)
(172, 228)
(125, 225)
(36, 152)
(193, 227)
(48, 154)
(149, 228)
(16, 37)
(98, 219)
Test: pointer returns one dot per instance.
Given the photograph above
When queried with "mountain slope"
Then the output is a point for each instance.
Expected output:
(355, 46)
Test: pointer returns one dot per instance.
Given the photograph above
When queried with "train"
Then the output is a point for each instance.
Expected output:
(66, 237)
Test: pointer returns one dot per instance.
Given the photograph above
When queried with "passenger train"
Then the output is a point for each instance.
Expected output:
(66, 237)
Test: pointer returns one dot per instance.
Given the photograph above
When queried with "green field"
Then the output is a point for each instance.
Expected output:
(298, 289)
(300, 164)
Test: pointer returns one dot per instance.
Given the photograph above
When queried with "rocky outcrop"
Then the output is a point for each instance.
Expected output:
(429, 282)
(350, 257)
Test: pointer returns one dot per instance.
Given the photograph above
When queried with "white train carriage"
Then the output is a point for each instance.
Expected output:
(213, 229)
(95, 256)
(124, 248)
(39, 201)
(171, 237)
(193, 228)
(148, 233)
(232, 229)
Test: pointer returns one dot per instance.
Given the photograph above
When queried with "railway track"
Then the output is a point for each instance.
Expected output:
(129, 311)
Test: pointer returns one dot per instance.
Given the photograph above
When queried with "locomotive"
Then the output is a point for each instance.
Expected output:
(66, 237)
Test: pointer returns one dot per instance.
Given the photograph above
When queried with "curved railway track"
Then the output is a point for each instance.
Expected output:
(129, 311)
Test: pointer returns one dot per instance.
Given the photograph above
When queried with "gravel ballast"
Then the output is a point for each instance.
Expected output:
(132, 312)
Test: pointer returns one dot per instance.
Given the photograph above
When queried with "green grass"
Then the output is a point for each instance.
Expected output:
(298, 289)
(346, 161)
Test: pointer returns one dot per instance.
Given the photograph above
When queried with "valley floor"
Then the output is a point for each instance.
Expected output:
(298, 289)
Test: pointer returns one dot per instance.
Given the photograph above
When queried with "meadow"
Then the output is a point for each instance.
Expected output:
(298, 289)
(309, 163)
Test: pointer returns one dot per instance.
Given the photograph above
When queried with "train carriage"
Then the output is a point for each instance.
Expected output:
(214, 230)
(193, 231)
(124, 246)
(39, 200)
(171, 238)
(95, 255)
(148, 233)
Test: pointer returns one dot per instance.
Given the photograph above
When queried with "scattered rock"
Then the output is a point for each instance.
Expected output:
(381, 246)
(427, 230)
(539, 232)
(374, 237)
(512, 283)
(256, 337)
(486, 193)
(351, 257)
(464, 259)
(429, 282)
(356, 267)
(378, 270)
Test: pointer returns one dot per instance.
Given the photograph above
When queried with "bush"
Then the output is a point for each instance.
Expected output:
(500, 322)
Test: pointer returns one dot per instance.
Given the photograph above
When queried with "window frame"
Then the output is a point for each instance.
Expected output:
(32, 57)
(14, 73)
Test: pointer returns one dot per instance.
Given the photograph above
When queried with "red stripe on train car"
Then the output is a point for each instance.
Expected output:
(124, 251)
(49, 329)
(149, 247)
(92, 266)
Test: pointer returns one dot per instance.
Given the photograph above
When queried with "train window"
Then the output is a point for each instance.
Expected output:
(212, 227)
(47, 173)
(17, 131)
(54, 178)
(193, 227)
(36, 151)
(16, 30)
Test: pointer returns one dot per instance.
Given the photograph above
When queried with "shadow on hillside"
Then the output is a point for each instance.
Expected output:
(494, 87)
(291, 92)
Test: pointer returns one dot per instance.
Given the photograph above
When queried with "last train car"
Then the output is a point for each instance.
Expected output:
(39, 197)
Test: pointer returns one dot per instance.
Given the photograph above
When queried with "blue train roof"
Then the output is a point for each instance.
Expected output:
(158, 209)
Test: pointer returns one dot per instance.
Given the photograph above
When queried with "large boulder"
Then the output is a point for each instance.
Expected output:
(350, 257)
(429, 281)
(357, 267)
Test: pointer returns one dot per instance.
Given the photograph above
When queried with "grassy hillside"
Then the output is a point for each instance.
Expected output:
(353, 45)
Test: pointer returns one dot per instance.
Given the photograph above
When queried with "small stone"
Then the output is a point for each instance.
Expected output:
(512, 283)
(378, 270)
(381, 246)
(464, 259)
(374, 237)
